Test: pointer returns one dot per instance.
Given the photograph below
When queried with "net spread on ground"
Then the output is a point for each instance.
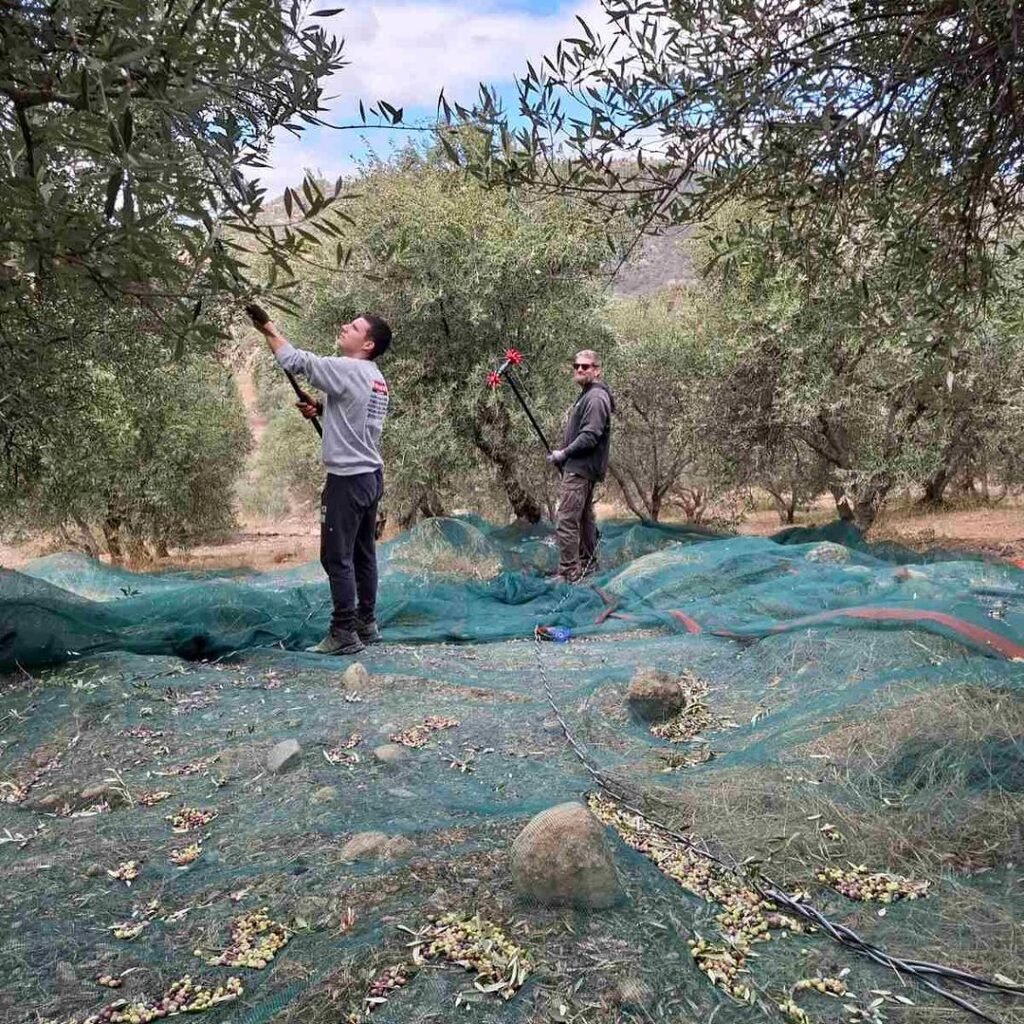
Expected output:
(197, 816)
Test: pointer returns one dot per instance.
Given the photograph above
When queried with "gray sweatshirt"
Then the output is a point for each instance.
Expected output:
(355, 404)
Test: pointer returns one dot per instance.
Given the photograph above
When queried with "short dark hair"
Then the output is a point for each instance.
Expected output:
(379, 333)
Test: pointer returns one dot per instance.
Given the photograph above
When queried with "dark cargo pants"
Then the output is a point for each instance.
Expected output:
(348, 519)
(575, 527)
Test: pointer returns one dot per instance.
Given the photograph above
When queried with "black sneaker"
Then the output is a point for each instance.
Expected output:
(368, 631)
(340, 641)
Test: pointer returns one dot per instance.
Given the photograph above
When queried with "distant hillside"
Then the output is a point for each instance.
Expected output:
(658, 262)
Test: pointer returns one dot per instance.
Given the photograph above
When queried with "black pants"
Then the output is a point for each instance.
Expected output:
(348, 516)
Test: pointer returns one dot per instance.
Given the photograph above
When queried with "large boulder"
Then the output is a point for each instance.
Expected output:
(563, 858)
(654, 695)
(283, 756)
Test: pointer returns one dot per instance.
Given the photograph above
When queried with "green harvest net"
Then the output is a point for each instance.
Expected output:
(853, 729)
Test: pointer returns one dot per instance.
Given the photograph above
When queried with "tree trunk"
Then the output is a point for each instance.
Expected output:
(693, 501)
(844, 507)
(935, 486)
(633, 503)
(785, 507)
(524, 506)
(426, 506)
(430, 505)
(112, 535)
(161, 548)
(138, 553)
(868, 502)
(87, 540)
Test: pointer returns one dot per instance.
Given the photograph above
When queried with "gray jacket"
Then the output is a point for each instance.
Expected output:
(588, 433)
(355, 404)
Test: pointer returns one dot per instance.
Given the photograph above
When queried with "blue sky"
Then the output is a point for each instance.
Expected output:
(405, 52)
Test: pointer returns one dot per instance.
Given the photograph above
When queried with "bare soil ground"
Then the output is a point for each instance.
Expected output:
(993, 531)
(996, 531)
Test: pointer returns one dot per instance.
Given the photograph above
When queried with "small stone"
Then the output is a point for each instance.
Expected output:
(355, 676)
(324, 795)
(283, 756)
(562, 858)
(55, 799)
(654, 695)
(104, 792)
(365, 846)
(238, 760)
(391, 753)
(376, 846)
(42, 756)
(94, 870)
(399, 848)
(308, 909)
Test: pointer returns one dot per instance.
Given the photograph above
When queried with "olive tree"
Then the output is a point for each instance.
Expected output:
(462, 273)
(130, 140)
(132, 446)
(664, 365)
(865, 382)
(905, 116)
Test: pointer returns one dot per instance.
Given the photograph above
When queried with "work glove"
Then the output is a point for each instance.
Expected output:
(557, 457)
(257, 314)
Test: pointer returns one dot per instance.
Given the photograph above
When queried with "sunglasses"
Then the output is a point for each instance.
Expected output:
(582, 366)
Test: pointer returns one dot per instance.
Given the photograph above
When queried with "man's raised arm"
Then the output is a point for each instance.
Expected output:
(322, 372)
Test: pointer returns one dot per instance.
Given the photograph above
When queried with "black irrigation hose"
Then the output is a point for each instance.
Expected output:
(920, 970)
(916, 968)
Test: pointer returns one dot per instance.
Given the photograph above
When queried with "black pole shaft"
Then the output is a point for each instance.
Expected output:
(303, 397)
(529, 415)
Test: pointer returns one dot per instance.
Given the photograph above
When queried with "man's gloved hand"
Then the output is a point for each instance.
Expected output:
(310, 409)
(557, 457)
(257, 314)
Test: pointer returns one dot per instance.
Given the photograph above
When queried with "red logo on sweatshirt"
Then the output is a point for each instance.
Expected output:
(380, 387)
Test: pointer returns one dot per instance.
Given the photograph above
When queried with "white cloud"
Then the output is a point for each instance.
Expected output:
(406, 52)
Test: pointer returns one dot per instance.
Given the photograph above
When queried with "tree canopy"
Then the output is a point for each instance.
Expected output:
(130, 135)
(903, 116)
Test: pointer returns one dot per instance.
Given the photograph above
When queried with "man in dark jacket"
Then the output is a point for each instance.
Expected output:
(584, 462)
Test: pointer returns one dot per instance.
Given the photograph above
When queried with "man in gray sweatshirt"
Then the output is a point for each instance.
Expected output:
(584, 463)
(353, 408)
